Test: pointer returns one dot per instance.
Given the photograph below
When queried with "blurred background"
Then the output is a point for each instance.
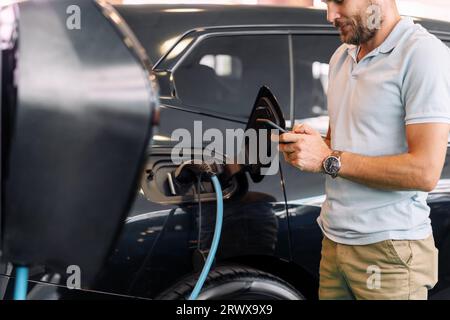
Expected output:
(435, 9)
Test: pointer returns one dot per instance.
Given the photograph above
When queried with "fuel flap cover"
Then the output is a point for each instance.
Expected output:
(266, 107)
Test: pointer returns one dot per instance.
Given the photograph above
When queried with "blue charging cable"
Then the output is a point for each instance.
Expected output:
(215, 242)
(21, 284)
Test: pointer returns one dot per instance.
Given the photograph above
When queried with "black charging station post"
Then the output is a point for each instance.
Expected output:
(74, 135)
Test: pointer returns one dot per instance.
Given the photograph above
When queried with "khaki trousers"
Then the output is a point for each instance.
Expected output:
(386, 270)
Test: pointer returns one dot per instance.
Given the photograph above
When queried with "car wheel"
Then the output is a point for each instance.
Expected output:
(234, 282)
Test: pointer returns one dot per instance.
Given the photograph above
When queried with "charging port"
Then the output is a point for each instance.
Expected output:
(160, 186)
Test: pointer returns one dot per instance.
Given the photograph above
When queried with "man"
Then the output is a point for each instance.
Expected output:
(389, 108)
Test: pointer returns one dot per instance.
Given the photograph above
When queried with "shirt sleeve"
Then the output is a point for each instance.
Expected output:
(426, 84)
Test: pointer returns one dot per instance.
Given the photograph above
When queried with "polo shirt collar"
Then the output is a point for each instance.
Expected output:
(353, 51)
(390, 42)
(396, 34)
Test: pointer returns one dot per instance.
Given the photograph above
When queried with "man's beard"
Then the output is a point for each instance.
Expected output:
(354, 31)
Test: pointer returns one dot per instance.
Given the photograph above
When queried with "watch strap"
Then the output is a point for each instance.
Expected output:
(336, 154)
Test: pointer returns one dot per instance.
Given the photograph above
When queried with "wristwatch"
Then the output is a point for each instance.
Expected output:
(332, 164)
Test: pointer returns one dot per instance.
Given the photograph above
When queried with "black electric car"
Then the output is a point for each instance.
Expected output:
(210, 62)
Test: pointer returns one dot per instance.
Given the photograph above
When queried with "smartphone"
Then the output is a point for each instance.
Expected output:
(271, 124)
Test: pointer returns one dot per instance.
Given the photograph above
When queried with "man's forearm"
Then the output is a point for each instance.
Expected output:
(417, 169)
(397, 172)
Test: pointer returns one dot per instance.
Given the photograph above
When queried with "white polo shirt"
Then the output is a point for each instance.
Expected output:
(406, 80)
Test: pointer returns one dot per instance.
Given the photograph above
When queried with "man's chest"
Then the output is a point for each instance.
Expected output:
(368, 91)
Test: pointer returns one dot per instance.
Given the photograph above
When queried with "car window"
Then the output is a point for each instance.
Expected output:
(311, 62)
(224, 73)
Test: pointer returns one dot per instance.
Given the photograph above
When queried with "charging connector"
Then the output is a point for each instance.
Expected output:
(188, 172)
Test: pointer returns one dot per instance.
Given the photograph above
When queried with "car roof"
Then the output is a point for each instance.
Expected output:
(158, 25)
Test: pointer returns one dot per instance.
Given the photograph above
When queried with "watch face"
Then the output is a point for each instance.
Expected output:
(332, 165)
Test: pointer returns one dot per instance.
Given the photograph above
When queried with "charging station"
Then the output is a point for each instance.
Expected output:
(78, 106)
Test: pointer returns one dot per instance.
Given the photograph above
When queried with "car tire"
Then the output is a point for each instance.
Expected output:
(234, 282)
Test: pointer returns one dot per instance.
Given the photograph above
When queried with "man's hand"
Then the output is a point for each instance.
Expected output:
(304, 148)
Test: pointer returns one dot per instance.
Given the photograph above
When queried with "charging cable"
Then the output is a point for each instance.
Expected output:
(21, 283)
(215, 241)
(188, 173)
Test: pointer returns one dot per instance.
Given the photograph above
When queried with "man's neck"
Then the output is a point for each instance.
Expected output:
(381, 35)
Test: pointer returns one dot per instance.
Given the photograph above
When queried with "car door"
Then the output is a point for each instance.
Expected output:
(216, 84)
